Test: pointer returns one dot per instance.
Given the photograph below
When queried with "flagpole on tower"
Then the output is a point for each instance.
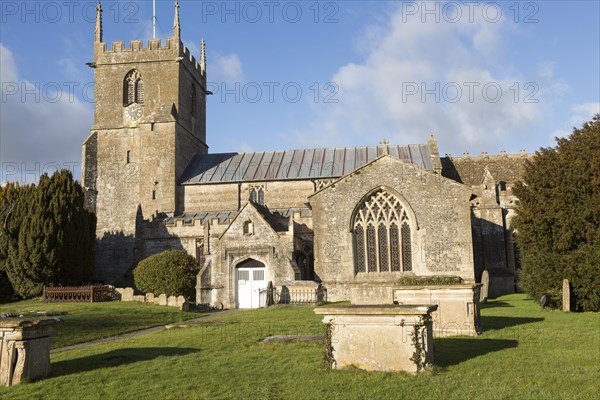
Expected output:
(153, 19)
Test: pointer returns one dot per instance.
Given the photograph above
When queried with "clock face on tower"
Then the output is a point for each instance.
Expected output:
(133, 112)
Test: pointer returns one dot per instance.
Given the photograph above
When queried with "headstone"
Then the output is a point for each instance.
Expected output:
(150, 297)
(141, 298)
(566, 296)
(185, 306)
(485, 286)
(180, 301)
(544, 301)
(162, 300)
(118, 293)
(127, 294)
(172, 301)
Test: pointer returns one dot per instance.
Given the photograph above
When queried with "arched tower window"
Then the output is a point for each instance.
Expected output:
(133, 88)
(382, 235)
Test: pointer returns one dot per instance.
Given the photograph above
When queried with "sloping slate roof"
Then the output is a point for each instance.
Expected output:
(224, 216)
(294, 164)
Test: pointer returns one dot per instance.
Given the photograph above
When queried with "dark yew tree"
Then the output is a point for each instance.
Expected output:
(46, 236)
(558, 219)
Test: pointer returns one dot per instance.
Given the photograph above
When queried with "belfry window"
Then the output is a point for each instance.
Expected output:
(133, 88)
(381, 235)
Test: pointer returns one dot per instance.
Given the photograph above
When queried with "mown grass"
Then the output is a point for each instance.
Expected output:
(525, 353)
(82, 322)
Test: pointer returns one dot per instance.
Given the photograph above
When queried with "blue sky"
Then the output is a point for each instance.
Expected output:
(479, 76)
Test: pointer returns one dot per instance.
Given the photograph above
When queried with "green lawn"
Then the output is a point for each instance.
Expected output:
(83, 322)
(524, 353)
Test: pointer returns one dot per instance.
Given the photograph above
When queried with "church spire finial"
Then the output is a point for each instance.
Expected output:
(203, 57)
(98, 28)
(176, 28)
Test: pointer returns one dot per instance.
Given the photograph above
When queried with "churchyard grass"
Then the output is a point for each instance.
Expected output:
(525, 353)
(82, 322)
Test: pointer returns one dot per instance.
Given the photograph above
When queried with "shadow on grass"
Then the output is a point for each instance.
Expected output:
(452, 351)
(116, 358)
(489, 323)
(494, 304)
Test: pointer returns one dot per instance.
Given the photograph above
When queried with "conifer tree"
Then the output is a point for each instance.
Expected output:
(558, 219)
(47, 237)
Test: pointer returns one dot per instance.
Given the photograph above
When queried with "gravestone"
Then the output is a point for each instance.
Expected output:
(485, 286)
(566, 296)
(172, 301)
(150, 297)
(544, 301)
(127, 294)
(162, 299)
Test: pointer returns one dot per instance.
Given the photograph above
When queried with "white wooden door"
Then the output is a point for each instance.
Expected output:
(250, 281)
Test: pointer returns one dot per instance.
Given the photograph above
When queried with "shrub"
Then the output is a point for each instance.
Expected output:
(558, 219)
(430, 280)
(172, 272)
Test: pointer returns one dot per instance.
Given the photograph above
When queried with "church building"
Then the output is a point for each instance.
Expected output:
(347, 219)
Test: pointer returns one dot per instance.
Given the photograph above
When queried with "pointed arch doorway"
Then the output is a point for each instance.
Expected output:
(250, 280)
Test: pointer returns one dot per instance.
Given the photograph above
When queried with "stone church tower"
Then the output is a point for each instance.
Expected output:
(149, 120)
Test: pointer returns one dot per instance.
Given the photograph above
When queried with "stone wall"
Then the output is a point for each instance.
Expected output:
(492, 178)
(233, 196)
(269, 243)
(441, 235)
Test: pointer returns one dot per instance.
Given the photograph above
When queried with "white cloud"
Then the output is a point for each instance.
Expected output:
(42, 125)
(583, 112)
(227, 68)
(407, 87)
(580, 113)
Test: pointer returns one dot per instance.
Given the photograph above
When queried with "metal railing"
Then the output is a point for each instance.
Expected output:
(292, 296)
(81, 294)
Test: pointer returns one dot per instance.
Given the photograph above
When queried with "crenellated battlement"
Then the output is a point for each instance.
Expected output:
(172, 50)
(469, 169)
(221, 218)
(155, 50)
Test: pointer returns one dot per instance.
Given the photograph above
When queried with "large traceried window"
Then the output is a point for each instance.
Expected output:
(382, 235)
(133, 88)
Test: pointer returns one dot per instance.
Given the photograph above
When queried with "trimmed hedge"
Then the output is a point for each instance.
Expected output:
(430, 280)
(172, 272)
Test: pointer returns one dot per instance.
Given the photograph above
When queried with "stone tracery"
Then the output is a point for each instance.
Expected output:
(387, 247)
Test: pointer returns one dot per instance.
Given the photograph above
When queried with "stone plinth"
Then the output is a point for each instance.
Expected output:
(380, 338)
(24, 349)
(458, 306)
